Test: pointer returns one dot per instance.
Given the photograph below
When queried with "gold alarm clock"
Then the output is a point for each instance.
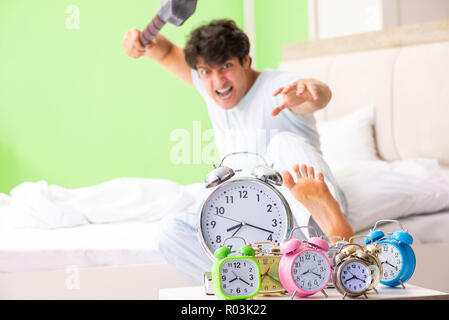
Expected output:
(268, 255)
(357, 269)
(334, 249)
(373, 252)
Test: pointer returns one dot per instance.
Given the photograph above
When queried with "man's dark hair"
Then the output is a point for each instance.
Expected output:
(216, 42)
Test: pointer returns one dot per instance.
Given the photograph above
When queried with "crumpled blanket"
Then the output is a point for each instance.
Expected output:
(39, 205)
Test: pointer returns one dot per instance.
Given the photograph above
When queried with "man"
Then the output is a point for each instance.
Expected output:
(246, 106)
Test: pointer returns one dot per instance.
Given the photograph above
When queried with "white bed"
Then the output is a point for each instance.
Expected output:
(134, 243)
(94, 245)
(121, 259)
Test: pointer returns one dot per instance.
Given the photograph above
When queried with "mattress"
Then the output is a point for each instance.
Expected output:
(425, 228)
(91, 245)
(135, 243)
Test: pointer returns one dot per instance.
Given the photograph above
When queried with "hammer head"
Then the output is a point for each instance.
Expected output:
(176, 11)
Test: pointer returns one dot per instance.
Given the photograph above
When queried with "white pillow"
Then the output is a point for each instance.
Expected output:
(348, 138)
(378, 190)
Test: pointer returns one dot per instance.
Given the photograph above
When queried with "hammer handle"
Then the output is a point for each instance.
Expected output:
(151, 30)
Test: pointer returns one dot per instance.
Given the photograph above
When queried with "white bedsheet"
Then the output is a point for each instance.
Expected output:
(115, 223)
(39, 205)
(134, 243)
(93, 245)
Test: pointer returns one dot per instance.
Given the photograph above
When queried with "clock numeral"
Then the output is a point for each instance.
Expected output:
(243, 194)
(220, 210)
(229, 199)
(269, 206)
(275, 223)
(218, 239)
(213, 224)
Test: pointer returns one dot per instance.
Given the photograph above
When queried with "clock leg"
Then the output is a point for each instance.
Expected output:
(293, 295)
(402, 284)
(325, 294)
(344, 296)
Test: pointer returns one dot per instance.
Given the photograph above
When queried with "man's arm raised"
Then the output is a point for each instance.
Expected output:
(162, 50)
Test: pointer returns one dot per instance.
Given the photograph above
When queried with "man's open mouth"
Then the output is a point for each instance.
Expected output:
(224, 93)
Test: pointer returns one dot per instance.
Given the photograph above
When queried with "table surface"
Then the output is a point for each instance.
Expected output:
(384, 293)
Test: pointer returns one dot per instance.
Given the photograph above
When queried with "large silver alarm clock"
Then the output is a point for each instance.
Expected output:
(250, 207)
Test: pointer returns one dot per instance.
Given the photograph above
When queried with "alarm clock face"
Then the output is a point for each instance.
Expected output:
(246, 208)
(269, 276)
(239, 277)
(311, 271)
(355, 276)
(391, 260)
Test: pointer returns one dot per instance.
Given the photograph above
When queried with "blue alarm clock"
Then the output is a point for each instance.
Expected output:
(396, 254)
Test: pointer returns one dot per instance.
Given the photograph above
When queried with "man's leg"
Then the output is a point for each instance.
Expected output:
(287, 149)
(179, 243)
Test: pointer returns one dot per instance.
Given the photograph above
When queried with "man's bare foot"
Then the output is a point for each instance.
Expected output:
(314, 194)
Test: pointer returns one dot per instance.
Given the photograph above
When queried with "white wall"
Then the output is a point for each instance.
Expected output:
(343, 17)
(333, 18)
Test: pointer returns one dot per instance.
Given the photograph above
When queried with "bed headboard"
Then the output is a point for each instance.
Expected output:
(403, 71)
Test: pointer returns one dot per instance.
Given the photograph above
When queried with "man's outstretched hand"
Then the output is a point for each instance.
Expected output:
(303, 97)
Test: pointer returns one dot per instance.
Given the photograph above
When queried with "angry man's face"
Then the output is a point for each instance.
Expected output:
(227, 84)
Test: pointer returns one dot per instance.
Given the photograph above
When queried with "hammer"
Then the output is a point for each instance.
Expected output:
(173, 11)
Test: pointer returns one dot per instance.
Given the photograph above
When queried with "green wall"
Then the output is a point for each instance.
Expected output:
(76, 111)
(277, 23)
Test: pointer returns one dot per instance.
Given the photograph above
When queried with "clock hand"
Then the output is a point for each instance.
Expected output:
(239, 278)
(237, 230)
(234, 227)
(243, 281)
(253, 226)
(236, 276)
(266, 273)
(310, 271)
(226, 218)
(350, 279)
(274, 279)
(395, 267)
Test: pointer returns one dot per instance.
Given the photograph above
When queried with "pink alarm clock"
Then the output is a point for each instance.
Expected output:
(304, 269)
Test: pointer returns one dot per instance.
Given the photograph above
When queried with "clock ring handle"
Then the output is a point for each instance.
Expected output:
(359, 236)
(303, 227)
(341, 241)
(243, 152)
(337, 237)
(235, 237)
(351, 244)
(389, 221)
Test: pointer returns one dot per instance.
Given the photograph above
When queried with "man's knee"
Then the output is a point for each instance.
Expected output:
(176, 225)
(284, 139)
(288, 148)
